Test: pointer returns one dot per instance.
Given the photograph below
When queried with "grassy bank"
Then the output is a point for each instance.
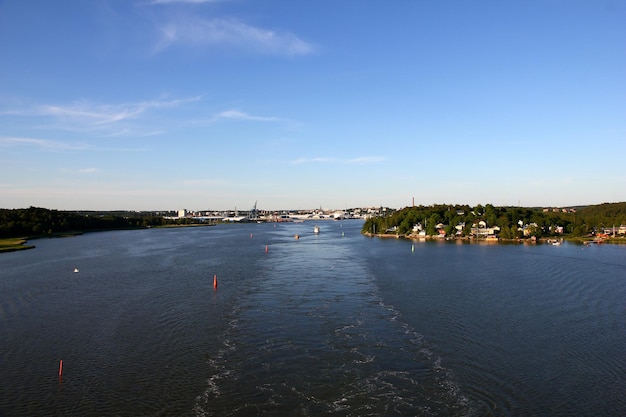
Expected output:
(14, 244)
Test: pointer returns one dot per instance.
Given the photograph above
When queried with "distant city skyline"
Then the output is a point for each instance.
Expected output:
(168, 104)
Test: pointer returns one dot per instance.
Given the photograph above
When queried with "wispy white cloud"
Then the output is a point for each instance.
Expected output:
(97, 116)
(53, 145)
(123, 119)
(231, 33)
(87, 170)
(107, 113)
(135, 133)
(239, 115)
(41, 144)
(364, 160)
(300, 161)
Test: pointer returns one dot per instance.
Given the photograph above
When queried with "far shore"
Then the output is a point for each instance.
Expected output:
(580, 240)
(20, 243)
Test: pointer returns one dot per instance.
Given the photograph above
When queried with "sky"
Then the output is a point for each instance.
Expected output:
(216, 104)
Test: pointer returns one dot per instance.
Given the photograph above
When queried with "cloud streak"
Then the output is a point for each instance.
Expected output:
(107, 114)
(101, 116)
(45, 144)
(59, 146)
(365, 160)
(238, 115)
(232, 33)
(124, 119)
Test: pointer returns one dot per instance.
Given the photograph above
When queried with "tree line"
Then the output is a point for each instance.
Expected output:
(580, 221)
(36, 221)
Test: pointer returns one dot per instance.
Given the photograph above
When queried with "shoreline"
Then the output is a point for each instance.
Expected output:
(543, 240)
(14, 244)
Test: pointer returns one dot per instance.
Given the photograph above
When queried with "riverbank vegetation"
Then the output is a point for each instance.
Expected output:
(36, 222)
(17, 226)
(490, 222)
(13, 244)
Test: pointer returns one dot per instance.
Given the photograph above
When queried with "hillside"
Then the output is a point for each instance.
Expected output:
(457, 220)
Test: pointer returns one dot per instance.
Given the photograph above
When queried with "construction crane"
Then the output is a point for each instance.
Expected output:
(254, 214)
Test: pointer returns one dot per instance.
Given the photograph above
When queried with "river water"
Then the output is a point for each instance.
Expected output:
(330, 324)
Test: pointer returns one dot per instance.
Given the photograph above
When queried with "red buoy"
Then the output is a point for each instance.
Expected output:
(61, 368)
(214, 281)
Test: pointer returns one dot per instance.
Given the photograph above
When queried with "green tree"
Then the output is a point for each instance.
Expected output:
(535, 231)
(405, 226)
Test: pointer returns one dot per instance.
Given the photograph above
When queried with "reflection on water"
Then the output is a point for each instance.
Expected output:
(330, 324)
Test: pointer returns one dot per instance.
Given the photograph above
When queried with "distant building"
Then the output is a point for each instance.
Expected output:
(559, 210)
(182, 213)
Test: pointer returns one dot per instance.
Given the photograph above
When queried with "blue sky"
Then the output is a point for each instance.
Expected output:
(164, 104)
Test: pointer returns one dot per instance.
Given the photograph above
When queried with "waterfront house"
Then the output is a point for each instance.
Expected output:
(481, 230)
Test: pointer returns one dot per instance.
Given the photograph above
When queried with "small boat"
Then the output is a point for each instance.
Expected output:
(75, 269)
(316, 229)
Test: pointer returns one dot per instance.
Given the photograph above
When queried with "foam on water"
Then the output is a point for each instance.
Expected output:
(314, 337)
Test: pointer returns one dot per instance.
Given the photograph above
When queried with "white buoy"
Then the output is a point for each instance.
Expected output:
(75, 269)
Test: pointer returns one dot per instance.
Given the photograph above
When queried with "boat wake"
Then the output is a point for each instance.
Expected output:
(301, 345)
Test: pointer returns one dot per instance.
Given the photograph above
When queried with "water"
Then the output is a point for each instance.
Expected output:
(329, 324)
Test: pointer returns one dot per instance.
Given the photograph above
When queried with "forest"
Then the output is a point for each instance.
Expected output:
(37, 222)
(574, 222)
